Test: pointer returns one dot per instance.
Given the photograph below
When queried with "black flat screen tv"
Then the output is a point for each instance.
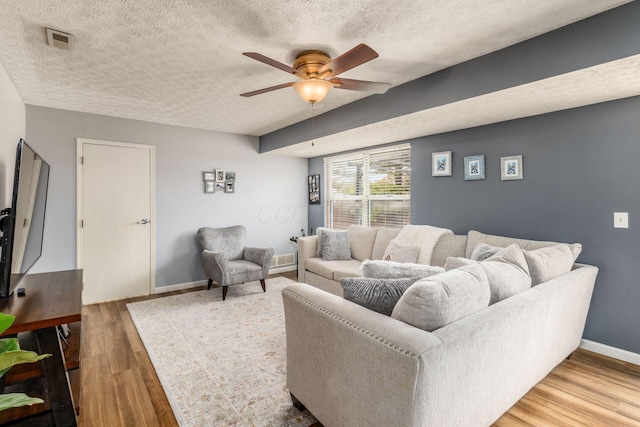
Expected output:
(22, 223)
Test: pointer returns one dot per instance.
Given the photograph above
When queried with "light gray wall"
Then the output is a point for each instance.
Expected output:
(270, 198)
(12, 128)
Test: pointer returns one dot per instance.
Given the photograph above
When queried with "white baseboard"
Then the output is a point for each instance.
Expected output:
(179, 287)
(283, 269)
(616, 353)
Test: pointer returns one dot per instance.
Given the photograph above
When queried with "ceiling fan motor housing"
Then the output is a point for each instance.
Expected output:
(309, 61)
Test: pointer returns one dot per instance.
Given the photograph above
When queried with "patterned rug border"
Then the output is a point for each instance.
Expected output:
(182, 410)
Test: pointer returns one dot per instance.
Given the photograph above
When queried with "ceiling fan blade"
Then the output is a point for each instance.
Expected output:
(348, 60)
(359, 85)
(266, 89)
(279, 65)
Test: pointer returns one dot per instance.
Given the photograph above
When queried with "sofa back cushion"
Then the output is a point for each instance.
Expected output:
(425, 237)
(361, 240)
(378, 269)
(383, 237)
(439, 300)
(551, 261)
(475, 237)
(449, 245)
(507, 271)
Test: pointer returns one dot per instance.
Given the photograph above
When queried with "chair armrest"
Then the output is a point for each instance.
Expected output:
(260, 256)
(307, 247)
(216, 265)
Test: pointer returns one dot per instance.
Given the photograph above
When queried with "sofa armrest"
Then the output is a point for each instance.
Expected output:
(307, 247)
(332, 342)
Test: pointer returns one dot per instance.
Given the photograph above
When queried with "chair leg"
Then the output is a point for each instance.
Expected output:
(209, 284)
(224, 292)
(264, 285)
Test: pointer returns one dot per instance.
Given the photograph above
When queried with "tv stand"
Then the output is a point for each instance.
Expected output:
(52, 299)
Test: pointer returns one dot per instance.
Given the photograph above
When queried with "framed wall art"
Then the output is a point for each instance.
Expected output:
(314, 189)
(511, 168)
(441, 163)
(230, 187)
(220, 175)
(220, 186)
(209, 186)
(209, 176)
(474, 167)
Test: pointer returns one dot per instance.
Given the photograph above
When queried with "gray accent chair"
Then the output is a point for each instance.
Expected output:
(228, 261)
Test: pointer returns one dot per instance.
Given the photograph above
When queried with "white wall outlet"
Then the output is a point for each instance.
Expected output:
(621, 220)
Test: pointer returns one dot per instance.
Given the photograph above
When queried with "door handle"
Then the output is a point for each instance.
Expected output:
(144, 221)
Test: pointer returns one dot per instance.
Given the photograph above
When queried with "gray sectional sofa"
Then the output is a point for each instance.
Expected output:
(351, 366)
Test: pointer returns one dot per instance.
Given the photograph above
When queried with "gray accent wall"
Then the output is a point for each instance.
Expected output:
(580, 166)
(270, 198)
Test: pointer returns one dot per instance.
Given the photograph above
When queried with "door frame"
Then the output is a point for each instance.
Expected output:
(80, 201)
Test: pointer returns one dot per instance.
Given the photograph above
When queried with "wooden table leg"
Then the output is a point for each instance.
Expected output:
(60, 397)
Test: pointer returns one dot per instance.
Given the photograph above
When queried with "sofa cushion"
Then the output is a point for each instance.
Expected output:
(334, 245)
(424, 236)
(327, 269)
(483, 251)
(383, 237)
(361, 240)
(475, 237)
(550, 262)
(352, 269)
(398, 252)
(439, 300)
(448, 245)
(378, 269)
(379, 295)
(507, 271)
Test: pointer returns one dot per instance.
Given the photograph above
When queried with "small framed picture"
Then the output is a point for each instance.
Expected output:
(511, 168)
(314, 189)
(474, 167)
(220, 175)
(441, 163)
(209, 186)
(208, 176)
(230, 176)
(230, 187)
(220, 186)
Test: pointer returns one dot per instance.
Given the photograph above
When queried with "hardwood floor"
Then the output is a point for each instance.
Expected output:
(121, 388)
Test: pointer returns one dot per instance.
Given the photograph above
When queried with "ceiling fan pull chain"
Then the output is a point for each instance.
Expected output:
(312, 128)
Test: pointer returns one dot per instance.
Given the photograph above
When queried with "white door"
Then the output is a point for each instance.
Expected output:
(115, 212)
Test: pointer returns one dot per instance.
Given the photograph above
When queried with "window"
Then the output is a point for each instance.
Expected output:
(371, 188)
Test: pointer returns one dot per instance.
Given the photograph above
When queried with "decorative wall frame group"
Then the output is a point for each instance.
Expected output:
(219, 181)
(511, 167)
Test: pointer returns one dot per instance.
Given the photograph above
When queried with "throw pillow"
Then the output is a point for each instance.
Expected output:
(436, 301)
(483, 251)
(398, 252)
(379, 295)
(396, 270)
(335, 245)
(319, 232)
(507, 271)
(552, 261)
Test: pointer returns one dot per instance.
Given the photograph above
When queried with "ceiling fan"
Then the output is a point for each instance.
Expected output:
(318, 72)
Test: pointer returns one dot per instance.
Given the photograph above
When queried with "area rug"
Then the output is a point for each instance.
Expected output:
(221, 363)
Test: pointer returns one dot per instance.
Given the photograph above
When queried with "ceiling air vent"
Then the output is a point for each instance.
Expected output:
(59, 39)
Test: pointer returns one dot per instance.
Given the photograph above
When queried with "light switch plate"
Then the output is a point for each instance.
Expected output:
(621, 220)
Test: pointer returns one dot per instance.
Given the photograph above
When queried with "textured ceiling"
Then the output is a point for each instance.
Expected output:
(181, 63)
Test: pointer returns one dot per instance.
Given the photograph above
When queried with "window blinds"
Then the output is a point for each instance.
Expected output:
(371, 188)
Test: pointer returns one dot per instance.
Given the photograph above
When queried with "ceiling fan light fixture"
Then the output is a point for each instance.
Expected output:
(312, 90)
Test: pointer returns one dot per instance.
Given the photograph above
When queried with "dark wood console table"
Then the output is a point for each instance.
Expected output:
(51, 299)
